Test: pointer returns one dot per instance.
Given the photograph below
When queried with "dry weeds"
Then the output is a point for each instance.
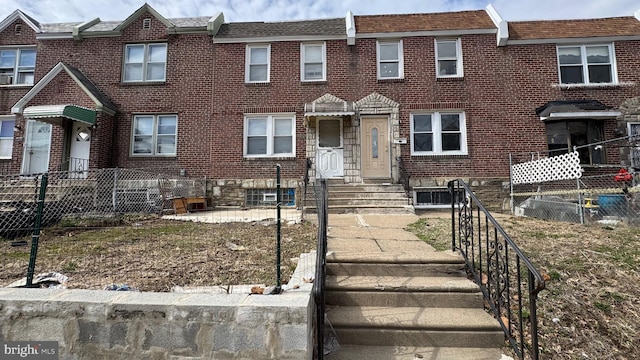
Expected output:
(591, 306)
(152, 254)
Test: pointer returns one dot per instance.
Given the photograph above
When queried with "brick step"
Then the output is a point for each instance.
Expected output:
(364, 209)
(434, 257)
(389, 298)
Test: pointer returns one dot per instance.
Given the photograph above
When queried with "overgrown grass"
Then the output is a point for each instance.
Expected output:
(590, 308)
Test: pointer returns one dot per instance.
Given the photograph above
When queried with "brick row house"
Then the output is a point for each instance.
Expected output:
(431, 97)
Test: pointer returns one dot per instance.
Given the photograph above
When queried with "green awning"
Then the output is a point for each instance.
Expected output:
(73, 112)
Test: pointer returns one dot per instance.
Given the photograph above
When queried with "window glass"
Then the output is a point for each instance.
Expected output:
(388, 52)
(569, 55)
(389, 70)
(258, 73)
(329, 133)
(438, 134)
(571, 74)
(259, 55)
(135, 53)
(374, 143)
(27, 58)
(257, 127)
(313, 53)
(157, 52)
(154, 135)
(423, 142)
(450, 122)
(6, 128)
(447, 49)
(422, 123)
(598, 54)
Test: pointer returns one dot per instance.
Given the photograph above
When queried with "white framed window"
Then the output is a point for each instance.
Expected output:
(438, 133)
(269, 135)
(313, 62)
(6, 137)
(258, 63)
(145, 62)
(587, 64)
(436, 197)
(448, 58)
(17, 65)
(390, 59)
(154, 135)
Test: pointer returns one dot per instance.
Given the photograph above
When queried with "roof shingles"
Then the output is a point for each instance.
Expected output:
(560, 29)
(286, 28)
(461, 20)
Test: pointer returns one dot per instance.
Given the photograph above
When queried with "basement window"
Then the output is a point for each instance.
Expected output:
(434, 198)
(268, 197)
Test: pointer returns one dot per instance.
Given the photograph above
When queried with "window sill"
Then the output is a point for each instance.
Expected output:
(270, 158)
(593, 86)
(16, 86)
(250, 84)
(142, 83)
(313, 82)
(449, 78)
(394, 80)
(153, 157)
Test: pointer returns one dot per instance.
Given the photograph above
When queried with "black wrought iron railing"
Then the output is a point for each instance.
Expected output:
(403, 178)
(321, 194)
(509, 282)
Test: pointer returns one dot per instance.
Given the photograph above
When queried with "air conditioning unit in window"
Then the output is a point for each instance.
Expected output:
(6, 79)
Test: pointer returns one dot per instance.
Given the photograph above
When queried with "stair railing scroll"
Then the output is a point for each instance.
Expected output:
(509, 282)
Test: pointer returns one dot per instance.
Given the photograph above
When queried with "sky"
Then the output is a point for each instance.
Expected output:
(53, 11)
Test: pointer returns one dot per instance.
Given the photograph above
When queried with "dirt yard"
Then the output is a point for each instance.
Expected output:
(152, 254)
(590, 308)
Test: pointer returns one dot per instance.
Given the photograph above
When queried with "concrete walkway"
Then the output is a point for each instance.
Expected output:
(364, 233)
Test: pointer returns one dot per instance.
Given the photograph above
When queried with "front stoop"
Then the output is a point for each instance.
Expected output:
(382, 198)
(399, 306)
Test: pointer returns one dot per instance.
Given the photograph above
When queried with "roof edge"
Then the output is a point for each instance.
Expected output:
(78, 29)
(144, 8)
(501, 24)
(17, 14)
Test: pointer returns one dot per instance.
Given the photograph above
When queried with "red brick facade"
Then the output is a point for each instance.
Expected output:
(205, 86)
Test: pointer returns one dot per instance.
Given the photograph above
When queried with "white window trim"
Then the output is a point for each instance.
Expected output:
(629, 125)
(154, 139)
(400, 58)
(302, 61)
(145, 62)
(585, 65)
(8, 118)
(437, 132)
(247, 67)
(16, 65)
(458, 58)
(270, 135)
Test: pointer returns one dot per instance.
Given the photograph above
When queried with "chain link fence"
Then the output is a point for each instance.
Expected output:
(145, 229)
(571, 187)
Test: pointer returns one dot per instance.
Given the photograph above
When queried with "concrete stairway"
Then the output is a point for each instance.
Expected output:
(407, 306)
(370, 197)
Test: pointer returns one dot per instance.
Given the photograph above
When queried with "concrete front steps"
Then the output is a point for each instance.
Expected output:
(366, 198)
(403, 306)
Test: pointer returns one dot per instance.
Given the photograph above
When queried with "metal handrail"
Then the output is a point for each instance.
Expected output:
(497, 265)
(321, 264)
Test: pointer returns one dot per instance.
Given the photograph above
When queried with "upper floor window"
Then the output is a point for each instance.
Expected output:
(313, 62)
(269, 135)
(448, 58)
(6, 138)
(258, 63)
(154, 135)
(145, 62)
(17, 66)
(586, 64)
(390, 60)
(438, 133)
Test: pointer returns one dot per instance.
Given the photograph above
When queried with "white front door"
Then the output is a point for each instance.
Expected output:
(37, 143)
(329, 148)
(79, 150)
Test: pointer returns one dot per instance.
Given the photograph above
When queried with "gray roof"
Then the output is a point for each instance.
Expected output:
(191, 22)
(323, 27)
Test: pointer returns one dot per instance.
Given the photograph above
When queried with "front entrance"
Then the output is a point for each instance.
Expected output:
(375, 148)
(36, 148)
(329, 148)
(79, 150)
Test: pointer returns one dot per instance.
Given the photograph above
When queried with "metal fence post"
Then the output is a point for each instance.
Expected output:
(278, 228)
(36, 230)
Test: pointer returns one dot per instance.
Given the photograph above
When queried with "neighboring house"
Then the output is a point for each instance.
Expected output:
(436, 96)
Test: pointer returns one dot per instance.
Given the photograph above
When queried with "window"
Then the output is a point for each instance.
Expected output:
(562, 136)
(269, 135)
(390, 60)
(438, 134)
(313, 64)
(17, 66)
(154, 135)
(145, 62)
(257, 63)
(6, 138)
(268, 197)
(586, 64)
(435, 198)
(448, 58)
